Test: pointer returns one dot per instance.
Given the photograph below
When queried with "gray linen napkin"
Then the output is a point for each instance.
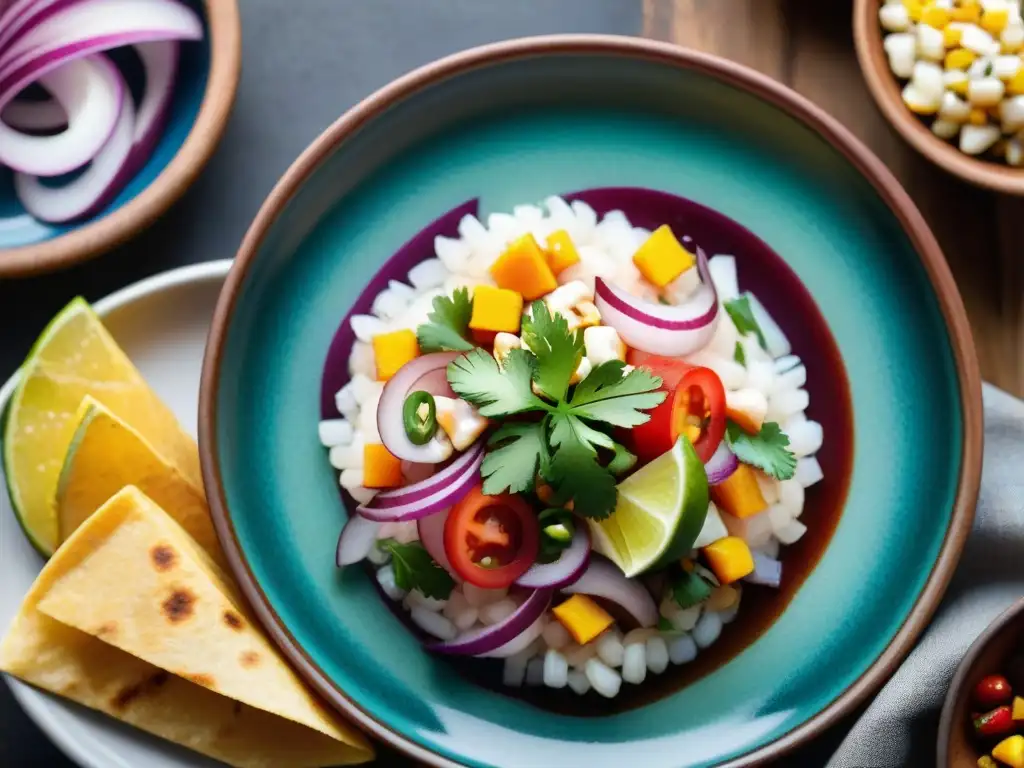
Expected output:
(899, 727)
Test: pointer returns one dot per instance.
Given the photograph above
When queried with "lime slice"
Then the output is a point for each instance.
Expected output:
(74, 357)
(660, 511)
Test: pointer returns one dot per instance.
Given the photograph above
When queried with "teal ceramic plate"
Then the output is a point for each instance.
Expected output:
(203, 95)
(514, 123)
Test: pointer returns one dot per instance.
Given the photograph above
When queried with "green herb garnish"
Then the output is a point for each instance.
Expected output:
(690, 589)
(415, 569)
(739, 355)
(766, 450)
(563, 447)
(742, 315)
(449, 324)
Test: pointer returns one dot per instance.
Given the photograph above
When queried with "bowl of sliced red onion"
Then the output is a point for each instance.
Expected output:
(108, 111)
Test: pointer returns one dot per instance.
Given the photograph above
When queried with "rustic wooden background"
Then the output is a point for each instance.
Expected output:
(809, 46)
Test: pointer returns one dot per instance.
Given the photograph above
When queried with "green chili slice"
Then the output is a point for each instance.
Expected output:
(419, 430)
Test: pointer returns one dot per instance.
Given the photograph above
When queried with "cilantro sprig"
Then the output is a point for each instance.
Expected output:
(742, 315)
(767, 450)
(415, 569)
(449, 324)
(570, 446)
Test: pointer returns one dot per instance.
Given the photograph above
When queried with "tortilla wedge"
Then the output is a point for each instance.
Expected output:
(132, 618)
(105, 455)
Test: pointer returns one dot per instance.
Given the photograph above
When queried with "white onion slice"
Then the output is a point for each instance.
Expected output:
(356, 540)
(30, 116)
(602, 579)
(89, 191)
(93, 95)
(662, 330)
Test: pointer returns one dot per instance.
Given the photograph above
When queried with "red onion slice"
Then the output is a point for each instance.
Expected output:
(88, 27)
(602, 579)
(437, 499)
(436, 482)
(431, 531)
(89, 191)
(35, 116)
(160, 65)
(93, 95)
(767, 571)
(356, 540)
(23, 13)
(721, 465)
(500, 640)
(662, 330)
(408, 379)
(565, 570)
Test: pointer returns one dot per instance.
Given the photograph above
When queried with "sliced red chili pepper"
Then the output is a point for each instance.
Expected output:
(995, 723)
(992, 691)
(491, 540)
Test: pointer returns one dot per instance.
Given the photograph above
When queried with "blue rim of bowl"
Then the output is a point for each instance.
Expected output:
(110, 230)
(732, 74)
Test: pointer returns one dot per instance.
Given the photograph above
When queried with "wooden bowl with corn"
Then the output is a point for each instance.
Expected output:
(949, 75)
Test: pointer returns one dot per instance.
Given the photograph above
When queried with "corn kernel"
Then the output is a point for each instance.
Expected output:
(914, 8)
(1015, 85)
(969, 12)
(978, 117)
(987, 762)
(496, 309)
(951, 36)
(584, 618)
(934, 16)
(995, 20)
(960, 58)
(561, 251)
(662, 258)
(393, 350)
(381, 469)
(730, 559)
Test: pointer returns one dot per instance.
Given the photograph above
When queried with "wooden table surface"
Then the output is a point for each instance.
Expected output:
(809, 46)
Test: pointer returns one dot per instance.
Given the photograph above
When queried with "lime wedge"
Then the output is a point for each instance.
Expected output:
(660, 511)
(75, 356)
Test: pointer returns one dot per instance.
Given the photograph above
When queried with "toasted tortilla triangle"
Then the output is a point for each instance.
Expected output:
(105, 455)
(132, 618)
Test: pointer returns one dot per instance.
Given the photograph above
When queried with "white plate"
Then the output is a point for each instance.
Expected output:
(162, 324)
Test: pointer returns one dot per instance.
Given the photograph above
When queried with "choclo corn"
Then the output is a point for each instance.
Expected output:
(964, 70)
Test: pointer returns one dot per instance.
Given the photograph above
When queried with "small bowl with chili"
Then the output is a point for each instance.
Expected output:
(982, 720)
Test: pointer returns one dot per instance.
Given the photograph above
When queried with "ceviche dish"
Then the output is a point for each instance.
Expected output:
(570, 445)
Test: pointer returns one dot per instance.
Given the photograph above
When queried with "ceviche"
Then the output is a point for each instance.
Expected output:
(570, 441)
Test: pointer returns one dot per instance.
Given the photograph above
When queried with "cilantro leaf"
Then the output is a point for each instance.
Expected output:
(558, 350)
(743, 318)
(415, 569)
(516, 452)
(566, 427)
(739, 355)
(766, 450)
(606, 395)
(449, 324)
(622, 461)
(690, 589)
(495, 391)
(576, 475)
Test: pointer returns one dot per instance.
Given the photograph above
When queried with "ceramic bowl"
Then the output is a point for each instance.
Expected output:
(989, 654)
(770, 177)
(887, 90)
(207, 79)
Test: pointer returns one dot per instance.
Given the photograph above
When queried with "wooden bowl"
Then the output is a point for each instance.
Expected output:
(886, 90)
(987, 656)
(208, 79)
